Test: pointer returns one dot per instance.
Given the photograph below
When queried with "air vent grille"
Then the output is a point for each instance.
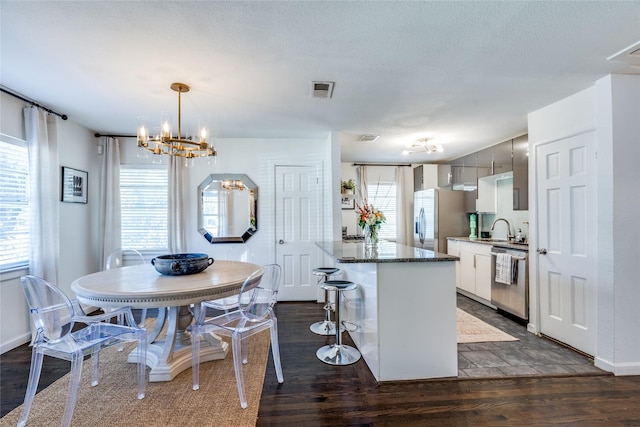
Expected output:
(322, 89)
(368, 138)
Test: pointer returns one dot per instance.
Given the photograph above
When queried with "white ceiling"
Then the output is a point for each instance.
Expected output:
(464, 74)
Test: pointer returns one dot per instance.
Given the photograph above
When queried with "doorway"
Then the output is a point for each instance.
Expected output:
(298, 219)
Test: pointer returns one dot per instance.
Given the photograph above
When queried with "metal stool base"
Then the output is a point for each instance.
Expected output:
(323, 328)
(338, 354)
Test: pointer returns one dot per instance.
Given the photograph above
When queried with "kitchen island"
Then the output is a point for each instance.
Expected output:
(402, 317)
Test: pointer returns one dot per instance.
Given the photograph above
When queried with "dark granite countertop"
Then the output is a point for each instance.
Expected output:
(494, 242)
(356, 252)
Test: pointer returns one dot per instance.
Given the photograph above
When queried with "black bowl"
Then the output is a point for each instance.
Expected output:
(181, 264)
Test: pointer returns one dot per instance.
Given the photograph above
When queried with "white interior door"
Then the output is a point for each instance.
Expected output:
(298, 227)
(566, 196)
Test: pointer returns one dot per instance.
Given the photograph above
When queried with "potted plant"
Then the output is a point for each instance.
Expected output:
(347, 187)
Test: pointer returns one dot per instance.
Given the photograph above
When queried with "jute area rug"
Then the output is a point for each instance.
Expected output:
(470, 329)
(113, 402)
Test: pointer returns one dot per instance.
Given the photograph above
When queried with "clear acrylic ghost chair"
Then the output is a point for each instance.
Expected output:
(116, 259)
(53, 317)
(237, 253)
(254, 314)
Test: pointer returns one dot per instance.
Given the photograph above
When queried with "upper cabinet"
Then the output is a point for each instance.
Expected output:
(508, 156)
(485, 162)
(465, 173)
(425, 177)
(521, 173)
(495, 160)
(502, 161)
(445, 179)
(418, 174)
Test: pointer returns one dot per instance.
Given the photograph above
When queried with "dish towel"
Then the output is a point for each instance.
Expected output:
(505, 267)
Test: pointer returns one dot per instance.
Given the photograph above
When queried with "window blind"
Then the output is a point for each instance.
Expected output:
(382, 195)
(143, 198)
(14, 203)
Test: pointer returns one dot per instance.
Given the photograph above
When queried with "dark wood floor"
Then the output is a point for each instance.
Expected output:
(316, 394)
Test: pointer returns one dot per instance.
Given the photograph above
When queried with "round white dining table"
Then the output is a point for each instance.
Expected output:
(141, 286)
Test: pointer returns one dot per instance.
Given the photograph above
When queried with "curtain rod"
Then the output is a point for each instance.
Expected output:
(98, 135)
(33, 103)
(381, 164)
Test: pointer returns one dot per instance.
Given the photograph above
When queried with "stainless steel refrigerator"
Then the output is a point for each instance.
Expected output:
(438, 214)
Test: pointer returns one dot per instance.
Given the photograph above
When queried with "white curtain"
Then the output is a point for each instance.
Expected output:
(42, 142)
(361, 185)
(404, 212)
(176, 216)
(361, 189)
(110, 214)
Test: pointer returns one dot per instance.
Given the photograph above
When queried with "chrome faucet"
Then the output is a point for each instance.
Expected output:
(509, 235)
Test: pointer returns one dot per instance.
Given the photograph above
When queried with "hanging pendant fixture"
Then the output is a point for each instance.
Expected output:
(165, 143)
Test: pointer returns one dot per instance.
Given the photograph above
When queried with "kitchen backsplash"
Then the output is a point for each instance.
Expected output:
(517, 219)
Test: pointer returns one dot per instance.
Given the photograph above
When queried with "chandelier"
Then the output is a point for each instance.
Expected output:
(421, 146)
(233, 184)
(164, 142)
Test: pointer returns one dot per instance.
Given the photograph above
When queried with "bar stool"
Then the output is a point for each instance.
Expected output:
(338, 353)
(327, 326)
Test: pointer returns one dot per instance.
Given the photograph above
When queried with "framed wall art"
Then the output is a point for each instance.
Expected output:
(74, 185)
(348, 203)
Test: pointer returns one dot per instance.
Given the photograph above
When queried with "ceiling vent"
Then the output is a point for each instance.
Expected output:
(322, 89)
(368, 138)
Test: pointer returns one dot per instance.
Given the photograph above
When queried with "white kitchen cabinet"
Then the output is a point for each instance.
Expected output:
(467, 269)
(483, 276)
(453, 248)
(475, 269)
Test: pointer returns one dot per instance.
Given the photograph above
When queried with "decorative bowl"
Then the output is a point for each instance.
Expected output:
(181, 264)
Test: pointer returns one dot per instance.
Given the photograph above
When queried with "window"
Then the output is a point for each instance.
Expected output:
(143, 195)
(382, 195)
(14, 203)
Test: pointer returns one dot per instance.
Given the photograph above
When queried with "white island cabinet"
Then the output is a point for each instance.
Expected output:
(402, 317)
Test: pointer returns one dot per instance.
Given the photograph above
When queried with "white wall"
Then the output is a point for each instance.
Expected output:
(77, 224)
(611, 109)
(618, 131)
(257, 158)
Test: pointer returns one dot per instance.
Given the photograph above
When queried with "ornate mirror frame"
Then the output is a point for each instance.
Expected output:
(227, 208)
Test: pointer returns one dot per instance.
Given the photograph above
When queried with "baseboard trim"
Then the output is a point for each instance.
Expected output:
(16, 342)
(618, 369)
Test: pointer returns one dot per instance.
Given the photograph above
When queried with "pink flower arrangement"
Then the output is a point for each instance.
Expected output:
(369, 216)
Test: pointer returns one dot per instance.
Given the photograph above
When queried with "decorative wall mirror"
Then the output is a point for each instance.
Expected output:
(227, 208)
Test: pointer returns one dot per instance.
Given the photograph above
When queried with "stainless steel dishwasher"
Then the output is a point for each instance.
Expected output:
(514, 298)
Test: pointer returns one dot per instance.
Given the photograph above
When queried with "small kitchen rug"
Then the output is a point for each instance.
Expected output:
(471, 329)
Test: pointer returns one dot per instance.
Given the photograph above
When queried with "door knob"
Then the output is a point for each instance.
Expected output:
(542, 251)
(281, 242)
